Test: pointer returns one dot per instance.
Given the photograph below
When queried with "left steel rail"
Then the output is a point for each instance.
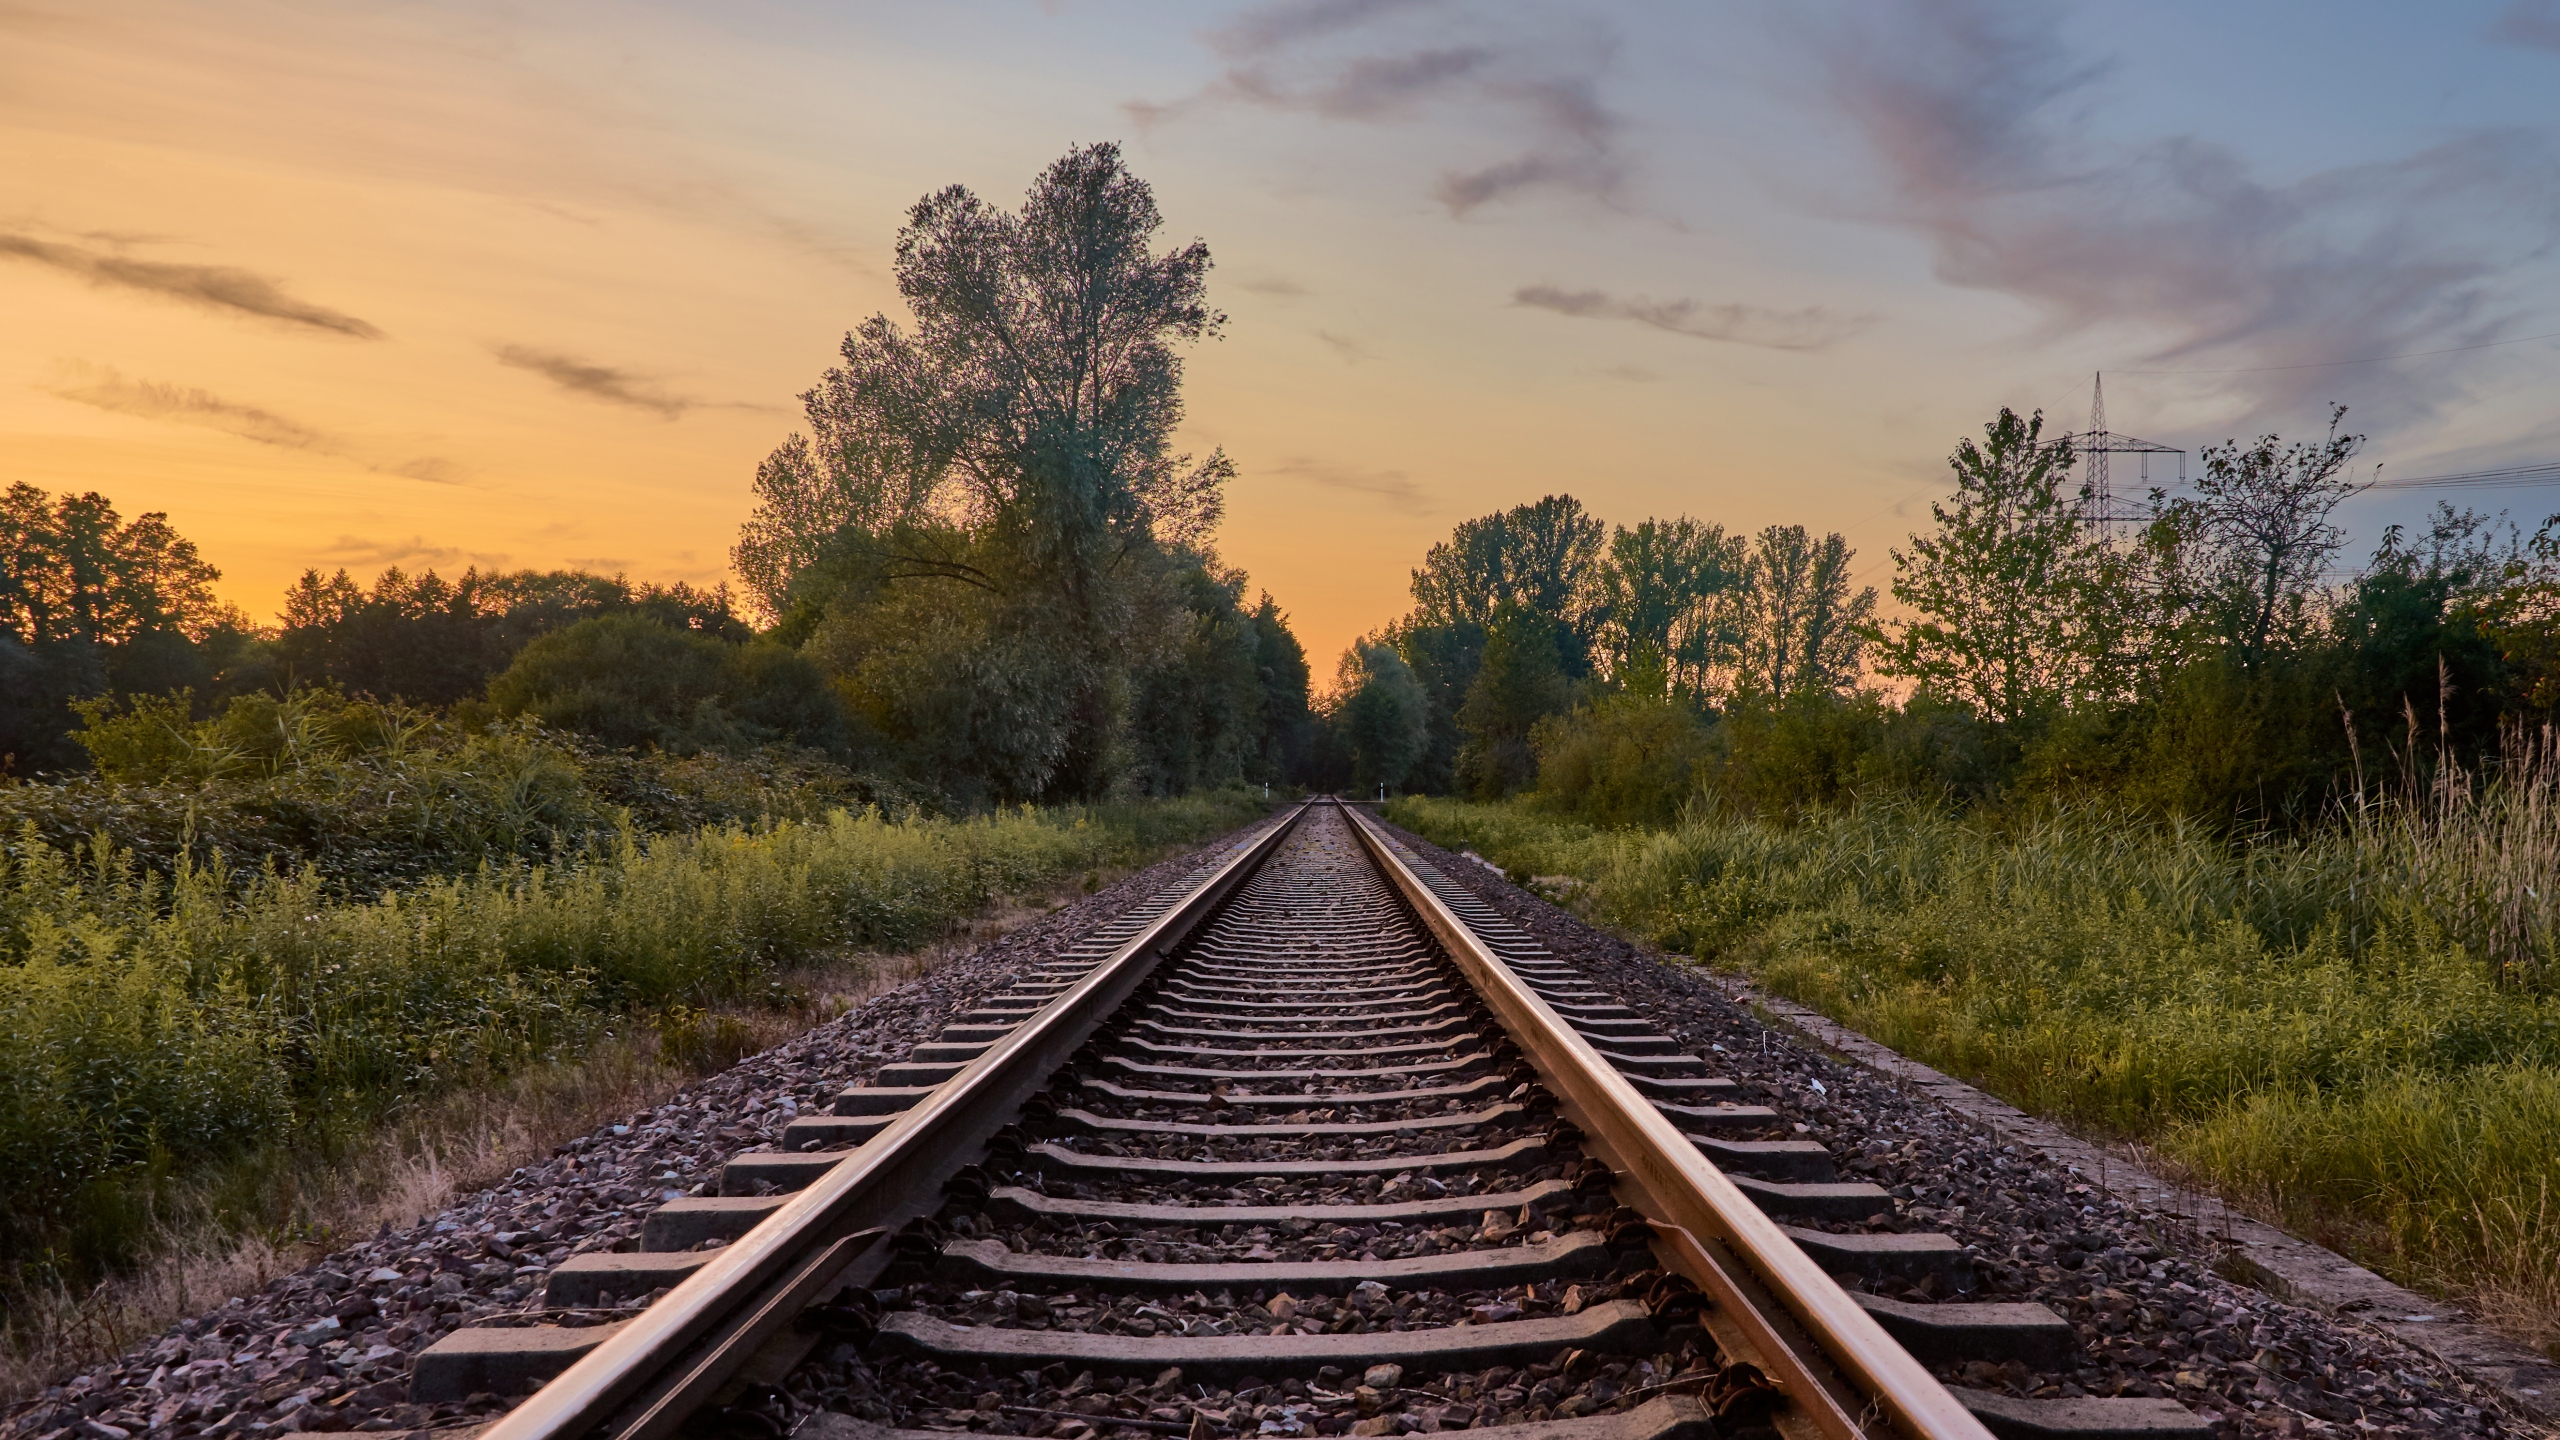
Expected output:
(655, 1370)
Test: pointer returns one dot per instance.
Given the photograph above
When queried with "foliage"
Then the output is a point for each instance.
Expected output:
(1378, 716)
(1802, 630)
(630, 681)
(369, 796)
(1522, 681)
(987, 537)
(154, 1026)
(2018, 602)
(1632, 757)
(91, 601)
(2359, 1025)
(430, 641)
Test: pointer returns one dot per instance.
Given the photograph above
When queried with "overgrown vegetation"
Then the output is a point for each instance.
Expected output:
(160, 1027)
(2355, 1028)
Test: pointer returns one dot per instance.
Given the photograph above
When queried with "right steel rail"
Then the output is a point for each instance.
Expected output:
(1713, 1232)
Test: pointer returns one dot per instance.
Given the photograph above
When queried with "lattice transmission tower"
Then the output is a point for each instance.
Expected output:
(2095, 446)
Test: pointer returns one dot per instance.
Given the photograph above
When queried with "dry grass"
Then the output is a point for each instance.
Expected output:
(449, 1148)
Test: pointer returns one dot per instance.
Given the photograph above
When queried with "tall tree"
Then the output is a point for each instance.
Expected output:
(1378, 715)
(1802, 629)
(1018, 442)
(74, 570)
(1671, 591)
(2019, 607)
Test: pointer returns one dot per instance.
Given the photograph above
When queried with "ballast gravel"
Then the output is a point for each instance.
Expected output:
(329, 1347)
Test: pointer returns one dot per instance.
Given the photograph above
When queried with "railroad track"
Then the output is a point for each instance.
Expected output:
(1313, 1142)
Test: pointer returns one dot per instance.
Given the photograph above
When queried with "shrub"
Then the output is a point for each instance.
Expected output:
(629, 681)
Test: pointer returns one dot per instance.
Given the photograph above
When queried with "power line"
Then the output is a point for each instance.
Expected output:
(2368, 360)
(2514, 477)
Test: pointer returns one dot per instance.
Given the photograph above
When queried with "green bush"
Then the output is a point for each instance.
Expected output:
(630, 681)
(1627, 759)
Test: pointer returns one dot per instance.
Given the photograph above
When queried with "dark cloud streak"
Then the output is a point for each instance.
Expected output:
(105, 389)
(215, 287)
(1539, 86)
(1808, 329)
(2530, 22)
(598, 382)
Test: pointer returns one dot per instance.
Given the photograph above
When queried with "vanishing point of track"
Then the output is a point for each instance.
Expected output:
(1311, 1142)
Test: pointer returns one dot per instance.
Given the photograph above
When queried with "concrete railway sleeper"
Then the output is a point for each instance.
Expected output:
(1320, 1144)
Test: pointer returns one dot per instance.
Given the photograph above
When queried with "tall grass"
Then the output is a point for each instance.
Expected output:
(2359, 1029)
(152, 1027)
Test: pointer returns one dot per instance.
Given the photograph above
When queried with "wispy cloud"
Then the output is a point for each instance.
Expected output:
(1350, 351)
(2530, 22)
(1811, 328)
(1533, 86)
(214, 287)
(1275, 285)
(596, 382)
(104, 388)
(364, 552)
(1394, 487)
(1972, 111)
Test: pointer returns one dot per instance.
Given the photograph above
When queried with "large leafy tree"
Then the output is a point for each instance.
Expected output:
(1016, 443)
(1672, 592)
(2019, 606)
(1802, 628)
(1378, 715)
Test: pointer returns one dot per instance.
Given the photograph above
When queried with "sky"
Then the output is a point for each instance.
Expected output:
(450, 284)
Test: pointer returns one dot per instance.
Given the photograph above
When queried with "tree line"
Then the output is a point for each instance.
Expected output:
(2203, 658)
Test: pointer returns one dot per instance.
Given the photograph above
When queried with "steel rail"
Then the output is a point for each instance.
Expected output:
(901, 1167)
(1699, 1212)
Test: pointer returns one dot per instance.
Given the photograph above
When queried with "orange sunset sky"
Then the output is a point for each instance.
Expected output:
(438, 285)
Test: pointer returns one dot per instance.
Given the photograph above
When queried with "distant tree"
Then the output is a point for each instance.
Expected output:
(434, 641)
(2241, 560)
(1802, 630)
(1280, 663)
(1377, 715)
(1545, 558)
(89, 602)
(1672, 593)
(1520, 683)
(74, 570)
(2019, 606)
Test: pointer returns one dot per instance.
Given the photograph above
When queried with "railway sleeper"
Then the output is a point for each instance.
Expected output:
(1622, 1326)
(1665, 1417)
(1582, 1255)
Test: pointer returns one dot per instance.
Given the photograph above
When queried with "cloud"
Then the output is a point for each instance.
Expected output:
(1812, 328)
(360, 552)
(1352, 352)
(215, 287)
(598, 382)
(1279, 285)
(1973, 113)
(1268, 27)
(1529, 83)
(105, 389)
(1394, 487)
(2530, 22)
(1632, 374)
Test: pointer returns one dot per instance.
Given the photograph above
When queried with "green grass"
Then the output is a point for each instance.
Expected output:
(154, 1029)
(2356, 1031)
